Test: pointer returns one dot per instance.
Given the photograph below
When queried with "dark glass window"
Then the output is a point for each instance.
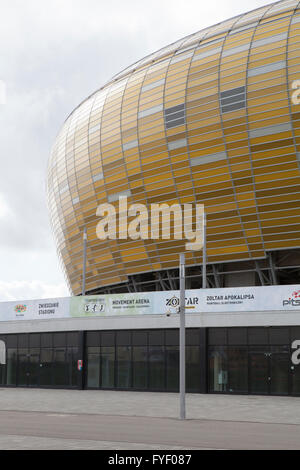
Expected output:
(93, 366)
(33, 367)
(295, 332)
(280, 364)
(23, 341)
(46, 360)
(172, 337)
(124, 366)
(139, 338)
(177, 122)
(34, 340)
(46, 340)
(139, 367)
(22, 367)
(172, 357)
(72, 339)
(72, 356)
(232, 92)
(279, 336)
(192, 337)
(174, 116)
(156, 337)
(93, 338)
(123, 338)
(234, 99)
(192, 357)
(11, 366)
(237, 335)
(217, 336)
(233, 107)
(174, 109)
(258, 336)
(218, 372)
(156, 368)
(59, 340)
(3, 366)
(107, 338)
(11, 341)
(259, 370)
(2, 375)
(107, 367)
(60, 367)
(238, 369)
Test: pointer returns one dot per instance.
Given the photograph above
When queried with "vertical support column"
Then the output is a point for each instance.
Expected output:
(203, 369)
(204, 253)
(272, 269)
(84, 260)
(182, 336)
(81, 357)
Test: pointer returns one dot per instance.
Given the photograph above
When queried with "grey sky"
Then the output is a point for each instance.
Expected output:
(53, 54)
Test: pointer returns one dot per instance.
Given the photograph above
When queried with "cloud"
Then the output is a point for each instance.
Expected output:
(4, 209)
(25, 290)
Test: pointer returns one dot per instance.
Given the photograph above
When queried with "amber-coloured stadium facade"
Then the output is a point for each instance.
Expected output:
(209, 119)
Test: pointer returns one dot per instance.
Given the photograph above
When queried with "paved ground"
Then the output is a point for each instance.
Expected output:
(72, 419)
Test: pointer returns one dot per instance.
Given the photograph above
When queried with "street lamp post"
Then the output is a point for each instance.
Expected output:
(182, 318)
(182, 336)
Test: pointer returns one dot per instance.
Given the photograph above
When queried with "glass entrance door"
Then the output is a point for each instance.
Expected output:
(33, 369)
(295, 378)
(259, 374)
(279, 371)
(269, 370)
(28, 368)
(22, 375)
(295, 368)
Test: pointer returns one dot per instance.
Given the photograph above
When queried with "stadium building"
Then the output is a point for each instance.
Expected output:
(212, 119)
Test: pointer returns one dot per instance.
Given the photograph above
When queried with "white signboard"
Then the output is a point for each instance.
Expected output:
(229, 300)
(252, 299)
(35, 309)
(235, 299)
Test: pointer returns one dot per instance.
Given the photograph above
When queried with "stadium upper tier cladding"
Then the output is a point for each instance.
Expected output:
(209, 119)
